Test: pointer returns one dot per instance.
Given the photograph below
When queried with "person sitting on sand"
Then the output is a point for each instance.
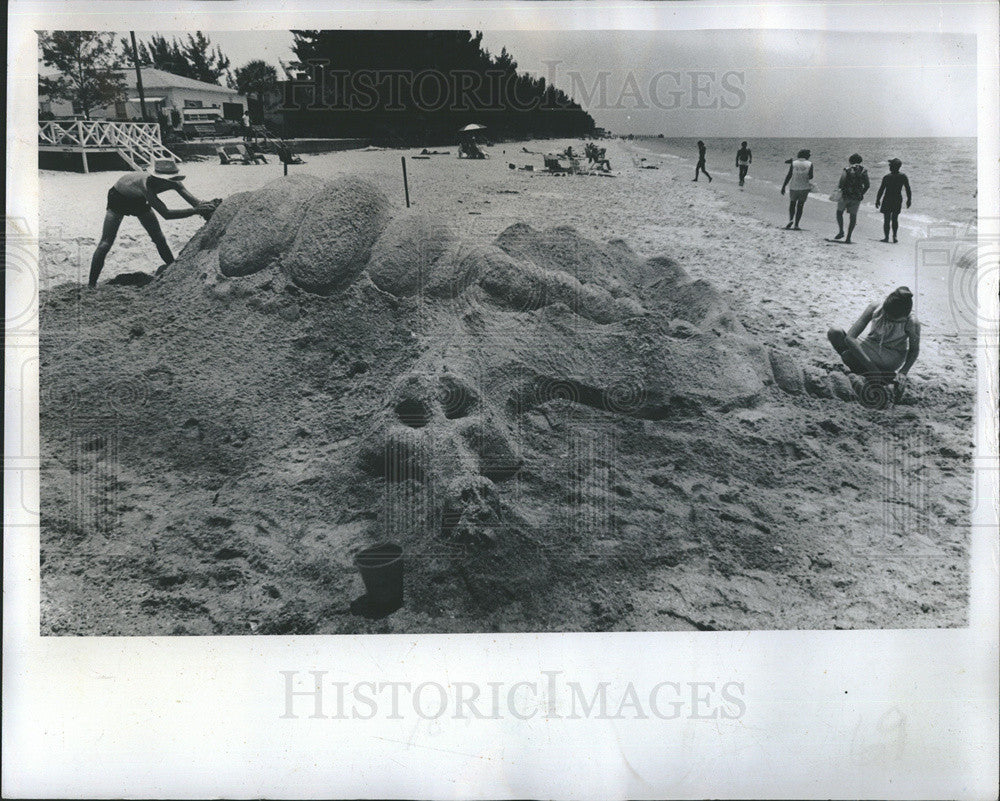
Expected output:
(853, 185)
(700, 166)
(799, 182)
(890, 198)
(744, 158)
(137, 195)
(892, 344)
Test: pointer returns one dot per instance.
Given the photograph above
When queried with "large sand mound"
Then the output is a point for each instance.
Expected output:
(534, 419)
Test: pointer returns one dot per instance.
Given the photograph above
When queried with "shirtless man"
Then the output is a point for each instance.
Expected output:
(136, 195)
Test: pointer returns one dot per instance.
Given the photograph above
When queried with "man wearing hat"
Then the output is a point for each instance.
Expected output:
(853, 185)
(137, 195)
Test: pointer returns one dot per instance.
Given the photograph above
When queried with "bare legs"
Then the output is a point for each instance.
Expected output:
(795, 208)
(152, 226)
(850, 351)
(700, 168)
(890, 219)
(850, 225)
(112, 221)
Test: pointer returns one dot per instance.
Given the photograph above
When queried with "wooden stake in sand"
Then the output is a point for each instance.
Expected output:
(406, 186)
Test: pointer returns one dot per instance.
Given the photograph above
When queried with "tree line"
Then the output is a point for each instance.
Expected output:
(418, 87)
(394, 87)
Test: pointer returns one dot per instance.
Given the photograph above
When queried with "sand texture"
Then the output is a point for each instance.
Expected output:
(577, 403)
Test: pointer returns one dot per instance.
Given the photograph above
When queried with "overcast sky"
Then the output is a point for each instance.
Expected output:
(735, 83)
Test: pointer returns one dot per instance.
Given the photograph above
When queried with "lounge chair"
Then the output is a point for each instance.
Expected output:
(223, 158)
(235, 154)
(250, 156)
(286, 155)
(554, 165)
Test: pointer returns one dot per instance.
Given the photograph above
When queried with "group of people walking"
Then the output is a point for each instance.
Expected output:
(850, 191)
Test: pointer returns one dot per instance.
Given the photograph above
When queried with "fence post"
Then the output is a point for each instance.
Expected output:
(406, 185)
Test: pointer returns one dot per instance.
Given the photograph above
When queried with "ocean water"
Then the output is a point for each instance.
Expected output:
(942, 171)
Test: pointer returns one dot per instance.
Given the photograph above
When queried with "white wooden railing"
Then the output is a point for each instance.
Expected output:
(137, 142)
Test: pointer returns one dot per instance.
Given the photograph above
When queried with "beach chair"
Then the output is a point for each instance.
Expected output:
(235, 155)
(554, 165)
(223, 158)
(286, 155)
(250, 156)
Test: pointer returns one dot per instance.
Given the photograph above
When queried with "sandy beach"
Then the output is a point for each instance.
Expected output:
(799, 509)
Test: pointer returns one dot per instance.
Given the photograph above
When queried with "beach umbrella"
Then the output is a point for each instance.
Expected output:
(472, 127)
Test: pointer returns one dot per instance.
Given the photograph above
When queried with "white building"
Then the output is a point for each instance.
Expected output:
(179, 99)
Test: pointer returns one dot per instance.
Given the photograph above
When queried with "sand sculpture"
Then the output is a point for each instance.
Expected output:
(533, 317)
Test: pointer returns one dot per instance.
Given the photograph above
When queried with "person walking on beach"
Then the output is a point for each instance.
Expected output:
(892, 344)
(700, 166)
(890, 198)
(799, 182)
(136, 195)
(744, 158)
(247, 130)
(853, 185)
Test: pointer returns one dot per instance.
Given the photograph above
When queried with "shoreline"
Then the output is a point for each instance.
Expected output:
(915, 222)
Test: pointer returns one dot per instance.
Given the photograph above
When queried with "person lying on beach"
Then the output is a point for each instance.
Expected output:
(744, 158)
(799, 182)
(853, 185)
(892, 344)
(890, 198)
(700, 166)
(137, 195)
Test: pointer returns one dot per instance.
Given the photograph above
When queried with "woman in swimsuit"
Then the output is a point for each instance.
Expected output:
(137, 195)
(890, 198)
(892, 344)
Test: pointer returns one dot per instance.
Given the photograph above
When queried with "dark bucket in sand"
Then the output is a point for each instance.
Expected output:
(381, 568)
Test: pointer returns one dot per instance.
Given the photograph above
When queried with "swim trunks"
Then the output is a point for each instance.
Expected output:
(796, 195)
(121, 204)
(850, 206)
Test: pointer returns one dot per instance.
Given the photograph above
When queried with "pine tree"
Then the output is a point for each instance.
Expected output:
(193, 58)
(424, 86)
(86, 62)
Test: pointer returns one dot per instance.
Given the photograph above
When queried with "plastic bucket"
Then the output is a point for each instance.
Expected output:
(381, 568)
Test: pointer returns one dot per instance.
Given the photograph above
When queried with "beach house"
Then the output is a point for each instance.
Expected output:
(171, 100)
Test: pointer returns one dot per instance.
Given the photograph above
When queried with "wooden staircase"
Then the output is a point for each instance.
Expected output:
(138, 143)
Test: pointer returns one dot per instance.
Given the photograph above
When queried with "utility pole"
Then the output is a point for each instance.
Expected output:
(138, 77)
